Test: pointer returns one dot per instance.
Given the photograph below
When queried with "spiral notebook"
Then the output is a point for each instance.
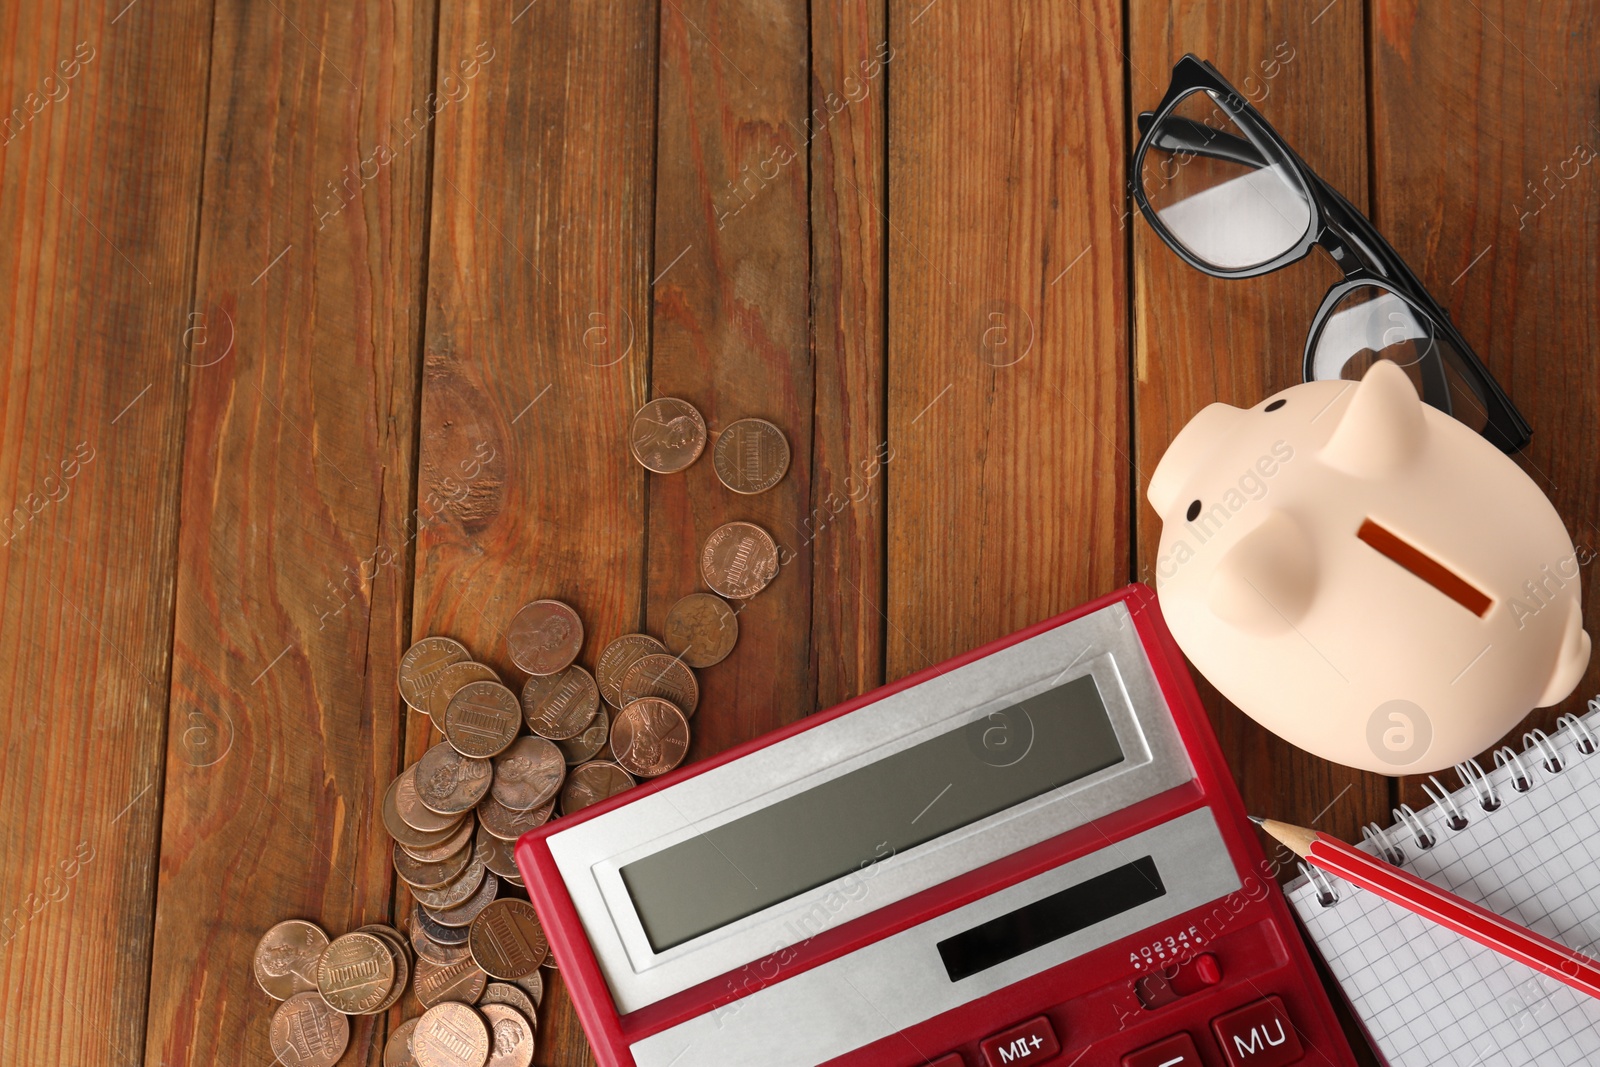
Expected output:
(1521, 839)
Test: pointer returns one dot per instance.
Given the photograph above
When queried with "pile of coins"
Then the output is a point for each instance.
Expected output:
(321, 983)
(508, 760)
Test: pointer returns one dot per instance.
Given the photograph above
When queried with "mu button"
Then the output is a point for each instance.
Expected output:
(1258, 1035)
(1032, 1042)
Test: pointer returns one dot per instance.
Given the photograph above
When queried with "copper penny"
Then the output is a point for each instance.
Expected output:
(750, 456)
(533, 985)
(397, 1050)
(508, 824)
(433, 942)
(462, 914)
(459, 836)
(451, 679)
(420, 667)
(413, 812)
(528, 773)
(430, 875)
(482, 719)
(450, 1035)
(286, 958)
(402, 964)
(510, 1035)
(701, 629)
(615, 660)
(650, 737)
(738, 560)
(407, 835)
(450, 783)
(664, 677)
(667, 435)
(514, 995)
(460, 980)
(507, 940)
(456, 892)
(544, 637)
(589, 783)
(355, 974)
(580, 749)
(559, 706)
(306, 1032)
(499, 856)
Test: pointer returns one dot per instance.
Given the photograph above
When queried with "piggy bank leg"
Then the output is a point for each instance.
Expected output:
(1572, 661)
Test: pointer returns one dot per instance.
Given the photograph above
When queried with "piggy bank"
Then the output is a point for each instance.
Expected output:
(1364, 575)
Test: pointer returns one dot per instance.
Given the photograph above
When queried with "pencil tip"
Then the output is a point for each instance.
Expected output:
(1258, 820)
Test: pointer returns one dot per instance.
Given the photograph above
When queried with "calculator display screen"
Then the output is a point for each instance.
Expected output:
(848, 823)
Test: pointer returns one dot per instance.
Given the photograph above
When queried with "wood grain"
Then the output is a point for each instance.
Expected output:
(1199, 340)
(1008, 490)
(850, 462)
(1497, 206)
(730, 332)
(538, 322)
(292, 577)
(99, 178)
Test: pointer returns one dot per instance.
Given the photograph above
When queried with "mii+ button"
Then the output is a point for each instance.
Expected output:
(1021, 1046)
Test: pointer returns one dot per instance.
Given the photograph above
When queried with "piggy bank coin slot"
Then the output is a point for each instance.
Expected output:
(1424, 566)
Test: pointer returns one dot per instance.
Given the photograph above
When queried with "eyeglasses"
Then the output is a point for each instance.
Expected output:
(1224, 190)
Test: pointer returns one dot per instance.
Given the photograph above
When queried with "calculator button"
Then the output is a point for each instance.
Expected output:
(952, 1060)
(1258, 1035)
(1032, 1042)
(1176, 1051)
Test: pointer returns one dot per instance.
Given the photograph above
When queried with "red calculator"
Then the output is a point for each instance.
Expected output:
(1029, 854)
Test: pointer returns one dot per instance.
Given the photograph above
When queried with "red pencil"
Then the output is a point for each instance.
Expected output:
(1445, 908)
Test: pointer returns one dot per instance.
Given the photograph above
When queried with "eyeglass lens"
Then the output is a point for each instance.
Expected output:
(1221, 190)
(1371, 322)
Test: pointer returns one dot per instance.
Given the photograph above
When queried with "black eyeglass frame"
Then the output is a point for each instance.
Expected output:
(1348, 236)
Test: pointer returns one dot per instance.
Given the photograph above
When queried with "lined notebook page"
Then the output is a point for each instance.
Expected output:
(1430, 997)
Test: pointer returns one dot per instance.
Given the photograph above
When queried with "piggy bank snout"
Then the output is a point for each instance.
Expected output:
(1267, 579)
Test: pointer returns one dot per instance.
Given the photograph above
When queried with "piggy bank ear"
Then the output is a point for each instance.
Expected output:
(1382, 428)
(1264, 583)
(1197, 440)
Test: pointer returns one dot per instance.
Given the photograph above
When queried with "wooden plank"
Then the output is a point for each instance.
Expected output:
(99, 178)
(537, 342)
(730, 332)
(1199, 339)
(292, 581)
(1496, 207)
(1008, 493)
(850, 456)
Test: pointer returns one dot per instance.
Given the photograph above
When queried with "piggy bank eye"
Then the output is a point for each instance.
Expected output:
(1193, 512)
(1275, 405)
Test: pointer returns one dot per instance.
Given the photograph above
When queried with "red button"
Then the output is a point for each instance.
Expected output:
(1032, 1042)
(1258, 1035)
(1176, 1051)
(952, 1060)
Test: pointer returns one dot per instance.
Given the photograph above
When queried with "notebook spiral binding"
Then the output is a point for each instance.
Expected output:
(1477, 789)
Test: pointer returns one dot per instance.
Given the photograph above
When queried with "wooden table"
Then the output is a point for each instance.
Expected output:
(324, 324)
